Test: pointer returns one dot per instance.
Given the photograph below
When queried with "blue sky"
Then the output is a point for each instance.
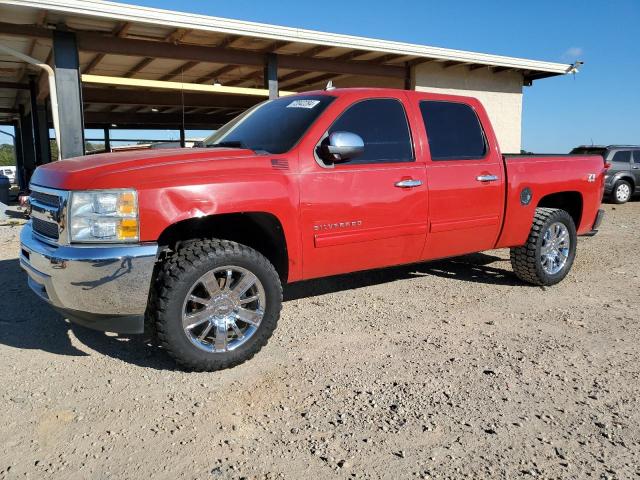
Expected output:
(599, 104)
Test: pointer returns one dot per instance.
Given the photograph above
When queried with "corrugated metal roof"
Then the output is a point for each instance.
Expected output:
(174, 19)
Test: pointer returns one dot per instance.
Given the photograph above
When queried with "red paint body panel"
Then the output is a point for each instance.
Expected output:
(349, 217)
(545, 176)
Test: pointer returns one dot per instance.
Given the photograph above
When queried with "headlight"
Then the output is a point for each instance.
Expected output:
(104, 216)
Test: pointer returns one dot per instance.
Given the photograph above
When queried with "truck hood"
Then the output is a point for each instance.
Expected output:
(136, 168)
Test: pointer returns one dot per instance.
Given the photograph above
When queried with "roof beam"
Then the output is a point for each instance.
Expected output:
(42, 18)
(476, 66)
(23, 30)
(313, 80)
(500, 69)
(99, 43)
(313, 51)
(138, 66)
(178, 86)
(112, 96)
(157, 119)
(349, 55)
(120, 31)
(227, 41)
(271, 48)
(93, 42)
(15, 85)
(257, 75)
(177, 35)
(179, 71)
(451, 64)
(216, 73)
(173, 38)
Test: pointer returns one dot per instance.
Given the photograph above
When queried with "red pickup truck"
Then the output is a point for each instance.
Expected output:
(199, 242)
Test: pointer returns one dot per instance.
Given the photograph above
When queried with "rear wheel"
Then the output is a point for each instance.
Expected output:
(621, 192)
(548, 255)
(217, 304)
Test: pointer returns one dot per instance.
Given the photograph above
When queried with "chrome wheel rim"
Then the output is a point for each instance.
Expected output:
(623, 192)
(554, 251)
(223, 309)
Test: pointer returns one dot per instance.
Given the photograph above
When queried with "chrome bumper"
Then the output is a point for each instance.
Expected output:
(104, 287)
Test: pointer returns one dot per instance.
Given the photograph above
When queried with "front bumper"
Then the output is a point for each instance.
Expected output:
(105, 287)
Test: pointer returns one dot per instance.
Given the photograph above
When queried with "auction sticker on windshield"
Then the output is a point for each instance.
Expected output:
(303, 104)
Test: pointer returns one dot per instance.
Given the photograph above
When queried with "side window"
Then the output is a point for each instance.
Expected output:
(636, 156)
(382, 124)
(454, 131)
(622, 156)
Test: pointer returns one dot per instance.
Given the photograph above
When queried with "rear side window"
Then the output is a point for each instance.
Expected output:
(454, 131)
(382, 124)
(622, 156)
(636, 156)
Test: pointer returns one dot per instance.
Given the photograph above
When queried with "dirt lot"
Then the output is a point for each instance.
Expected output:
(452, 369)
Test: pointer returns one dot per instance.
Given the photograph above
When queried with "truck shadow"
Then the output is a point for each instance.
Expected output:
(469, 268)
(28, 323)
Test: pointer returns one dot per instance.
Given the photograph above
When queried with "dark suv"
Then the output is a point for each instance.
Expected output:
(622, 180)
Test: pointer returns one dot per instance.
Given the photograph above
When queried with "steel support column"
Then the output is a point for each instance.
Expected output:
(182, 137)
(28, 145)
(271, 75)
(36, 125)
(107, 140)
(407, 76)
(44, 153)
(19, 152)
(69, 89)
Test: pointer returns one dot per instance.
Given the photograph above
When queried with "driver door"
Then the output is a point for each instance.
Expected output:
(369, 211)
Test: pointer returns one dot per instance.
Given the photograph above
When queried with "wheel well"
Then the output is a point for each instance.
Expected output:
(260, 231)
(627, 179)
(570, 202)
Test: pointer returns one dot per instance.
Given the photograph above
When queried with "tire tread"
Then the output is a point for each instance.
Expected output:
(524, 259)
(193, 255)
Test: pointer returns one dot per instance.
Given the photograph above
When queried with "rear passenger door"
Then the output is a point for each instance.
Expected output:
(465, 179)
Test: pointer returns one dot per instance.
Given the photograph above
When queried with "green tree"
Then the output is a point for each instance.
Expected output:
(7, 155)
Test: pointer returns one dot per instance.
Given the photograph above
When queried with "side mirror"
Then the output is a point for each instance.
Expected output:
(341, 146)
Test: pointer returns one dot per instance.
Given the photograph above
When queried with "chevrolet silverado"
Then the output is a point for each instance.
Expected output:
(196, 244)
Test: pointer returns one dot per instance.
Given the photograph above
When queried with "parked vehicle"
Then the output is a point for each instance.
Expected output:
(300, 187)
(9, 172)
(622, 180)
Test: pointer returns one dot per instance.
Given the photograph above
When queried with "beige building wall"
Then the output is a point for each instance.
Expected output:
(500, 93)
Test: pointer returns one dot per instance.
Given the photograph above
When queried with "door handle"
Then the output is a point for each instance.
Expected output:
(409, 183)
(487, 178)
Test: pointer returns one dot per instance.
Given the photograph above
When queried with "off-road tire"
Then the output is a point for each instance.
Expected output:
(526, 260)
(177, 274)
(614, 195)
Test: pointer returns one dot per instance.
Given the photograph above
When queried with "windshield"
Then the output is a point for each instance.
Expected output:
(274, 126)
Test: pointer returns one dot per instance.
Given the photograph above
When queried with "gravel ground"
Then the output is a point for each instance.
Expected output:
(451, 369)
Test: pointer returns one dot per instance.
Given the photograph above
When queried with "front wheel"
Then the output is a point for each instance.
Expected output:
(216, 304)
(548, 255)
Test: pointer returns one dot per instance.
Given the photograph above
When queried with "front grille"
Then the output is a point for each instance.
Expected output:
(46, 198)
(48, 212)
(44, 228)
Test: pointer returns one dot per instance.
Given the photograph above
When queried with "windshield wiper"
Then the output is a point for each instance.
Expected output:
(230, 144)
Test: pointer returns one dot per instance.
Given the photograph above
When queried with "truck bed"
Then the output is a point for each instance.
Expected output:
(542, 175)
(518, 156)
